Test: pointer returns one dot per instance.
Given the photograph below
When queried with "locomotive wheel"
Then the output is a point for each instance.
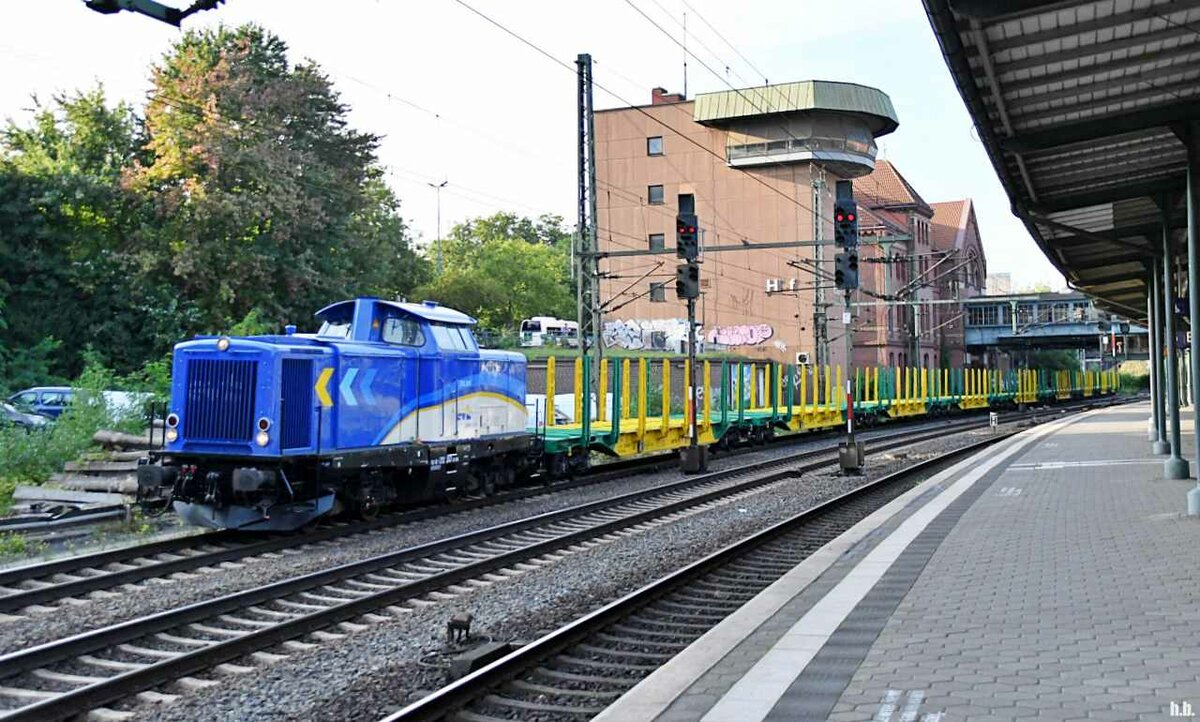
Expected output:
(489, 482)
(368, 509)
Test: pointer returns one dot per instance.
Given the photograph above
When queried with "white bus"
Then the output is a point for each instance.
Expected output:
(549, 331)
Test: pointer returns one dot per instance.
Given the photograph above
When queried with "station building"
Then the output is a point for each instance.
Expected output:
(759, 166)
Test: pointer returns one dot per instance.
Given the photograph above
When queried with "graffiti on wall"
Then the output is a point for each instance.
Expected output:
(652, 334)
(670, 334)
(747, 335)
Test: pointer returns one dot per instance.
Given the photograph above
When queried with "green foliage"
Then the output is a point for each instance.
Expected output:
(14, 544)
(252, 324)
(239, 197)
(31, 457)
(1053, 360)
(1134, 383)
(502, 269)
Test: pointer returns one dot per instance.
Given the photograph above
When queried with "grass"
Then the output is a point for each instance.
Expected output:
(13, 544)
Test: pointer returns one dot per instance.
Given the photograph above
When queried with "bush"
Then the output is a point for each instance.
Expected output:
(31, 457)
(1135, 383)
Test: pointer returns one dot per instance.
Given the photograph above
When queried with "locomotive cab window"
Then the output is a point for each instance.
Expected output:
(402, 331)
(448, 337)
(467, 338)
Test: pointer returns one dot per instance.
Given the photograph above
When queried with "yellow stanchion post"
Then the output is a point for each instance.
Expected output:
(828, 395)
(602, 392)
(666, 395)
(550, 390)
(626, 382)
(707, 394)
(753, 386)
(642, 374)
(804, 371)
(579, 390)
(839, 392)
(777, 391)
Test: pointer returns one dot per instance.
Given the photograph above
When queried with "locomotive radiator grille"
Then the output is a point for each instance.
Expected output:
(296, 404)
(220, 400)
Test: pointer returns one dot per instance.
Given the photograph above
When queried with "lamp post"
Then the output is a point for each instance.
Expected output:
(438, 188)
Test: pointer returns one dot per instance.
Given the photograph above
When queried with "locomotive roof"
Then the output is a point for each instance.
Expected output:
(427, 310)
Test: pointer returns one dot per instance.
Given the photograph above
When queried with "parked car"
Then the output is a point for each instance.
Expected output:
(45, 400)
(53, 400)
(11, 415)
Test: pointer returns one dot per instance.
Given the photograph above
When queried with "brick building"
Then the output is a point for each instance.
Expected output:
(759, 166)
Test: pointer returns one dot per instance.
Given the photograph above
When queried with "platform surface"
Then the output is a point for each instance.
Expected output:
(1053, 576)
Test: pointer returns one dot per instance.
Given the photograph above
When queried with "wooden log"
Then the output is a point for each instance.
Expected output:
(110, 439)
(102, 467)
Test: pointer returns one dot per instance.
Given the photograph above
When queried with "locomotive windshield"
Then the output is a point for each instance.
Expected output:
(335, 329)
(336, 321)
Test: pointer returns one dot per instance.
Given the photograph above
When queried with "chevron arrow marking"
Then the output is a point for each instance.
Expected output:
(345, 387)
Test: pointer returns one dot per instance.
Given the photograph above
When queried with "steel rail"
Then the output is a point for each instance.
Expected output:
(95, 578)
(119, 686)
(473, 687)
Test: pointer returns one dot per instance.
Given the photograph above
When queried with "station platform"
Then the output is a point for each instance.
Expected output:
(1053, 575)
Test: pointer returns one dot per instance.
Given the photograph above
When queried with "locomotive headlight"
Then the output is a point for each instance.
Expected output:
(172, 420)
(264, 424)
(262, 438)
(223, 343)
(172, 435)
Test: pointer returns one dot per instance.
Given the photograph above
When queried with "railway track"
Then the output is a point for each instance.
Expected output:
(51, 583)
(572, 674)
(87, 671)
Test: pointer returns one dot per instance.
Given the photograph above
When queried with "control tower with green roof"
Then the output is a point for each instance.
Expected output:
(834, 124)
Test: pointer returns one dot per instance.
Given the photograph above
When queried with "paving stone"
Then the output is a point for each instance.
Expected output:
(1079, 602)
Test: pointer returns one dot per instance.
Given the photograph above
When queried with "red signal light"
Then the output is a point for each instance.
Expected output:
(840, 218)
(850, 217)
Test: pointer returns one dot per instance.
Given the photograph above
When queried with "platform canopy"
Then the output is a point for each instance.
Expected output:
(1083, 108)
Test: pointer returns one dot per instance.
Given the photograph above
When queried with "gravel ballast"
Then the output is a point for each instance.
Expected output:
(376, 670)
(156, 595)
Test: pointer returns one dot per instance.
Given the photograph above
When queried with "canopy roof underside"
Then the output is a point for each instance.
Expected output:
(1083, 108)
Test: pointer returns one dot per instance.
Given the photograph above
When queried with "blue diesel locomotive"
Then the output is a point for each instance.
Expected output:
(256, 441)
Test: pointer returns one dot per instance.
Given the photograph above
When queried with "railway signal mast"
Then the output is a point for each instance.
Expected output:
(845, 277)
(694, 458)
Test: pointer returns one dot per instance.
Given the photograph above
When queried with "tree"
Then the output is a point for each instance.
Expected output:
(502, 269)
(67, 278)
(241, 188)
(262, 195)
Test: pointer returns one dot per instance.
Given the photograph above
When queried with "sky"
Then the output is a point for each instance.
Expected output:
(458, 99)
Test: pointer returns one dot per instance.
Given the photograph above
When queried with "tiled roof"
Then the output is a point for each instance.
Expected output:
(886, 188)
(876, 220)
(949, 224)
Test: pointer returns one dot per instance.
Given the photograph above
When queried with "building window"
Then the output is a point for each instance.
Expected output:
(658, 292)
(687, 203)
(654, 146)
(658, 241)
(655, 195)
